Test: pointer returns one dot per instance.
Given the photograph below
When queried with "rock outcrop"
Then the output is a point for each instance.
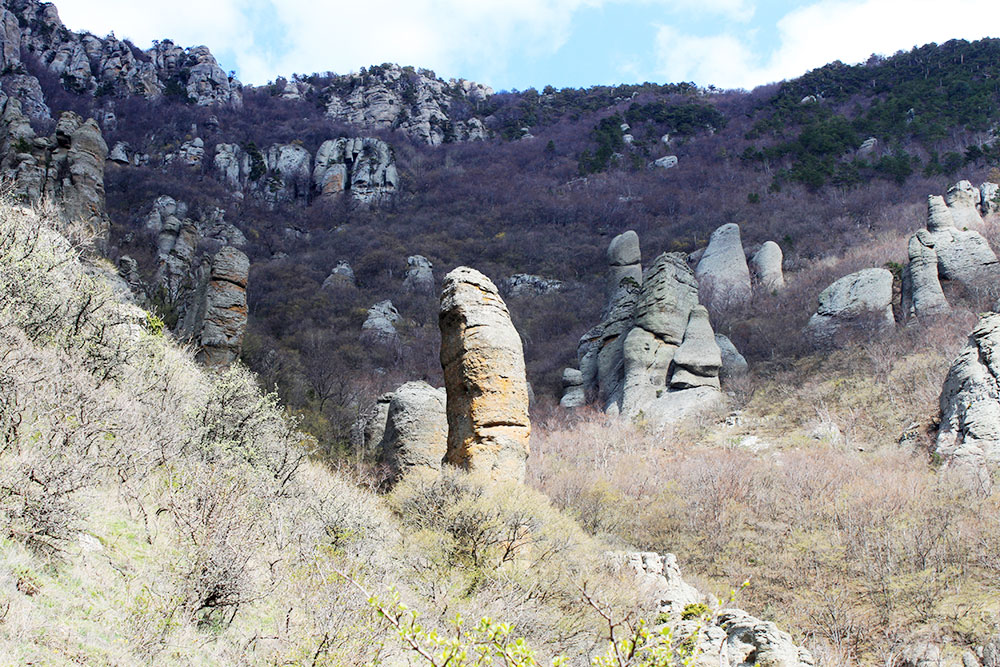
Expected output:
(483, 363)
(341, 276)
(970, 400)
(379, 327)
(766, 266)
(415, 102)
(419, 275)
(369, 427)
(107, 66)
(722, 271)
(922, 293)
(574, 395)
(859, 301)
(624, 262)
(223, 325)
(67, 167)
(654, 354)
(734, 364)
(963, 200)
(727, 637)
(363, 166)
(963, 255)
(415, 437)
(283, 173)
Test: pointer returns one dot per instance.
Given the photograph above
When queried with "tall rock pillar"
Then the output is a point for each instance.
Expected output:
(483, 363)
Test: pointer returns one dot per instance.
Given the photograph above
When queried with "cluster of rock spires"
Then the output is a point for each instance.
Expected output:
(105, 66)
(415, 102)
(206, 291)
(654, 354)
(730, 638)
(724, 275)
(950, 248)
(67, 167)
(283, 173)
(479, 421)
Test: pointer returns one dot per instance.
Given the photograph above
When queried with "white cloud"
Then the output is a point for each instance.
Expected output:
(454, 37)
(809, 37)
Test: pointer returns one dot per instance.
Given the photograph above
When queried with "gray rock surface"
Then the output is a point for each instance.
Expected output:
(728, 637)
(415, 438)
(766, 265)
(414, 102)
(573, 393)
(963, 200)
(363, 166)
(733, 363)
(379, 326)
(419, 275)
(223, 316)
(698, 359)
(67, 167)
(483, 363)
(665, 162)
(868, 147)
(970, 400)
(722, 272)
(624, 262)
(922, 294)
(860, 300)
(341, 276)
(963, 255)
(369, 427)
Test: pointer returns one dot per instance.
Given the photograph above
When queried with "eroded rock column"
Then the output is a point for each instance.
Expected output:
(487, 392)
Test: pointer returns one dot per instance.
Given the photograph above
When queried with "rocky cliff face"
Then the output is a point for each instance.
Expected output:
(364, 167)
(107, 66)
(414, 102)
(483, 363)
(67, 167)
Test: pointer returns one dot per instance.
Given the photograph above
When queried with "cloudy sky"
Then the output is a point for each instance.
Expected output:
(517, 44)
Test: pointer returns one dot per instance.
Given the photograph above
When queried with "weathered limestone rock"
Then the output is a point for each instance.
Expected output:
(860, 300)
(766, 266)
(416, 430)
(573, 393)
(963, 255)
(232, 165)
(192, 152)
(483, 362)
(922, 294)
(368, 429)
(698, 359)
(28, 91)
(963, 200)
(341, 276)
(868, 147)
(526, 284)
(733, 363)
(665, 162)
(120, 153)
(733, 638)
(970, 400)
(624, 262)
(670, 346)
(363, 166)
(415, 102)
(419, 275)
(225, 318)
(722, 272)
(379, 326)
(67, 167)
(288, 178)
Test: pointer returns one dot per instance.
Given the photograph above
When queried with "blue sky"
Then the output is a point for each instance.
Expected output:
(510, 44)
